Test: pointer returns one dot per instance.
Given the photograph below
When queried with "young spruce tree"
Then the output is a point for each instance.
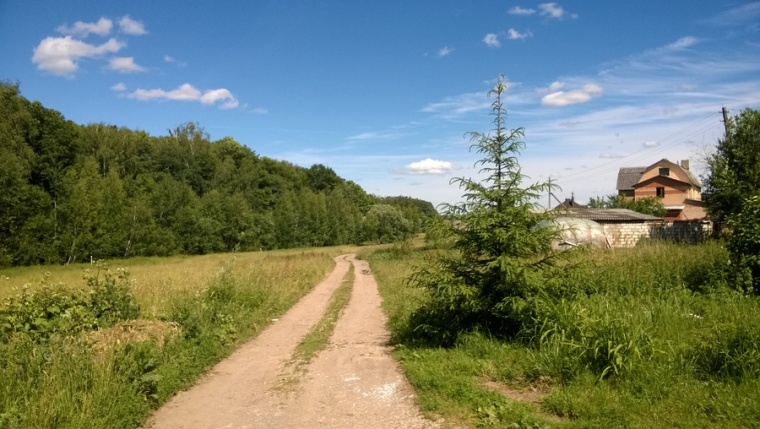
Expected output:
(498, 250)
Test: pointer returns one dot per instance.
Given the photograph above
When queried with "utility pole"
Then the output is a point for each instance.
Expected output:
(549, 197)
(725, 119)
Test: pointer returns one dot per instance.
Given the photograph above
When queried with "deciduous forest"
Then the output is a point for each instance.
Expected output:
(72, 192)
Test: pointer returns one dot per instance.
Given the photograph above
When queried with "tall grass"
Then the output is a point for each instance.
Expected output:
(114, 377)
(647, 337)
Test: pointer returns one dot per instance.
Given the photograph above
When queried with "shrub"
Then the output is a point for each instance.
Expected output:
(61, 311)
(744, 245)
(111, 299)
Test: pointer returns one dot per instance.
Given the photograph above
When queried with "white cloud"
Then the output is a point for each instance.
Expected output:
(558, 98)
(492, 40)
(517, 10)
(119, 87)
(650, 143)
(444, 51)
(184, 92)
(513, 34)
(554, 10)
(128, 25)
(430, 166)
(59, 55)
(224, 95)
(187, 92)
(84, 29)
(124, 65)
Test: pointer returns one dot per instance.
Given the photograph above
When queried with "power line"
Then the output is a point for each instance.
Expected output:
(643, 153)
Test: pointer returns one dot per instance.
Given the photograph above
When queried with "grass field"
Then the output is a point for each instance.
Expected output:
(68, 360)
(653, 338)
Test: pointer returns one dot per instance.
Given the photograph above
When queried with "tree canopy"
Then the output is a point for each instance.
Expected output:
(71, 192)
(734, 169)
(733, 186)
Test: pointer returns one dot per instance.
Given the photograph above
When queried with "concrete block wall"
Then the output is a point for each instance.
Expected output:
(625, 234)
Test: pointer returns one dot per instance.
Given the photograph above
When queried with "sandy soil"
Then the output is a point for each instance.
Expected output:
(353, 383)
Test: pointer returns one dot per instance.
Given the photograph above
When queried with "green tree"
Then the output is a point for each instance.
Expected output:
(648, 205)
(384, 223)
(498, 250)
(744, 245)
(734, 169)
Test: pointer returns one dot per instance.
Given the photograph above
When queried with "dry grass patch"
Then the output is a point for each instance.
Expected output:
(135, 331)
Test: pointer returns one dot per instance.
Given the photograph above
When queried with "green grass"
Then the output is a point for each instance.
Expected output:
(650, 337)
(113, 378)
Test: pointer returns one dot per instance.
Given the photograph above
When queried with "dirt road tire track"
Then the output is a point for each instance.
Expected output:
(353, 383)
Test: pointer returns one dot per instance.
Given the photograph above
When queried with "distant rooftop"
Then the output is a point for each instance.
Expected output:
(629, 176)
(609, 215)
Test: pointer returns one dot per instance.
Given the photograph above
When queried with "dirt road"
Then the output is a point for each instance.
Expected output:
(353, 383)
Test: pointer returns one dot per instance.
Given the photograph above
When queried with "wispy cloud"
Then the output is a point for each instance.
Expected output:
(119, 87)
(556, 97)
(444, 51)
(375, 135)
(682, 43)
(170, 59)
(60, 55)
(129, 26)
(492, 40)
(517, 10)
(458, 105)
(222, 97)
(125, 65)
(555, 11)
(83, 29)
(740, 15)
(430, 166)
(260, 111)
(513, 34)
(650, 143)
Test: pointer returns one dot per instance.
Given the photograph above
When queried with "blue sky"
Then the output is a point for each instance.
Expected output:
(384, 91)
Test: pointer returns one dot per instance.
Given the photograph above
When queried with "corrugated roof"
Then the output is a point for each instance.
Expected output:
(629, 176)
(609, 215)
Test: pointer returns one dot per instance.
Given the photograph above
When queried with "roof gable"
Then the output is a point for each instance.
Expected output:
(690, 178)
(661, 179)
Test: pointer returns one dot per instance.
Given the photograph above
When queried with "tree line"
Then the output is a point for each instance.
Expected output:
(70, 192)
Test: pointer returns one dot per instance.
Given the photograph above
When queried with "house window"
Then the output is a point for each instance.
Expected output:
(664, 171)
(661, 192)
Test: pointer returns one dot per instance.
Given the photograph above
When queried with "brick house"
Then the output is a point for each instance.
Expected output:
(676, 186)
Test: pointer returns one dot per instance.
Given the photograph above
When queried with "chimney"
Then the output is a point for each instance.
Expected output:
(685, 164)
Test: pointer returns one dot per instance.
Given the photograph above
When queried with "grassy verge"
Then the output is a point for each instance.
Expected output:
(319, 336)
(652, 338)
(56, 370)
